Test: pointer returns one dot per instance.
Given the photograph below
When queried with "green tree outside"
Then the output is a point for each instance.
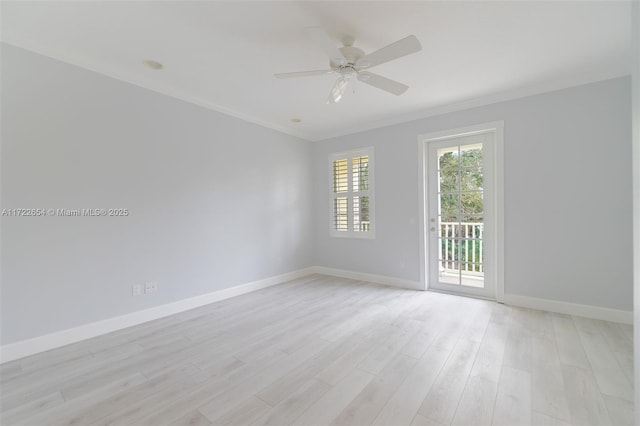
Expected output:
(461, 200)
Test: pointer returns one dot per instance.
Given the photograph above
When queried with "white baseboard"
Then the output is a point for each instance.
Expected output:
(588, 311)
(372, 278)
(38, 344)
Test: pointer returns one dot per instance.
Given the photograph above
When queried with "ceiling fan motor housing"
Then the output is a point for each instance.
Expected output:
(351, 54)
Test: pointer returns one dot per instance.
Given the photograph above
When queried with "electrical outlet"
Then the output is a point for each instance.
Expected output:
(150, 287)
(136, 289)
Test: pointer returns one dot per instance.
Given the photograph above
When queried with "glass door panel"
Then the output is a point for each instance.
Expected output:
(457, 215)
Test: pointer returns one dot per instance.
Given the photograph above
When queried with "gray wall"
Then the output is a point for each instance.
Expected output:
(214, 201)
(567, 195)
(635, 45)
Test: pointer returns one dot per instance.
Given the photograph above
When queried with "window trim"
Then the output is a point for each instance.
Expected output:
(349, 155)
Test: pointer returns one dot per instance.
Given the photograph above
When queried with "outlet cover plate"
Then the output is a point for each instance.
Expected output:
(150, 287)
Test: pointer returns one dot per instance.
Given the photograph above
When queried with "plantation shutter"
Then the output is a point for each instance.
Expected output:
(351, 196)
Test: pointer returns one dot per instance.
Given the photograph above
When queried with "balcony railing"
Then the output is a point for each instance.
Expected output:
(462, 248)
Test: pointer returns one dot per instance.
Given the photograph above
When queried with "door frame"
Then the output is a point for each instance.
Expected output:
(497, 129)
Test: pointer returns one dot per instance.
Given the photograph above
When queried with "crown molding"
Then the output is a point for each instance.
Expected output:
(505, 96)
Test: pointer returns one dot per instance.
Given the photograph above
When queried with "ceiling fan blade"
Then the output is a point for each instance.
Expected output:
(400, 48)
(383, 83)
(323, 40)
(303, 73)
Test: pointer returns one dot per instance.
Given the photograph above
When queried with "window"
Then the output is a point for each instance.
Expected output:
(352, 201)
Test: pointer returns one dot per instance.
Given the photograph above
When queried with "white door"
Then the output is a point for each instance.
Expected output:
(461, 216)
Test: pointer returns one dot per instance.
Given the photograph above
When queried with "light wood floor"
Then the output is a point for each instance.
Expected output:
(324, 350)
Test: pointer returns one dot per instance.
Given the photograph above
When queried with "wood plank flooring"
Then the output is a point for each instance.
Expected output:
(324, 350)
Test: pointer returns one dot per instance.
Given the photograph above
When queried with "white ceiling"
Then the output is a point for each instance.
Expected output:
(223, 54)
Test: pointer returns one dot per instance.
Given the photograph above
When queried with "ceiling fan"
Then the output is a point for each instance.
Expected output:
(351, 62)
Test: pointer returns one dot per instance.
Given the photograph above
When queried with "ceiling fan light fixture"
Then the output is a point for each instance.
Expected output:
(338, 89)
